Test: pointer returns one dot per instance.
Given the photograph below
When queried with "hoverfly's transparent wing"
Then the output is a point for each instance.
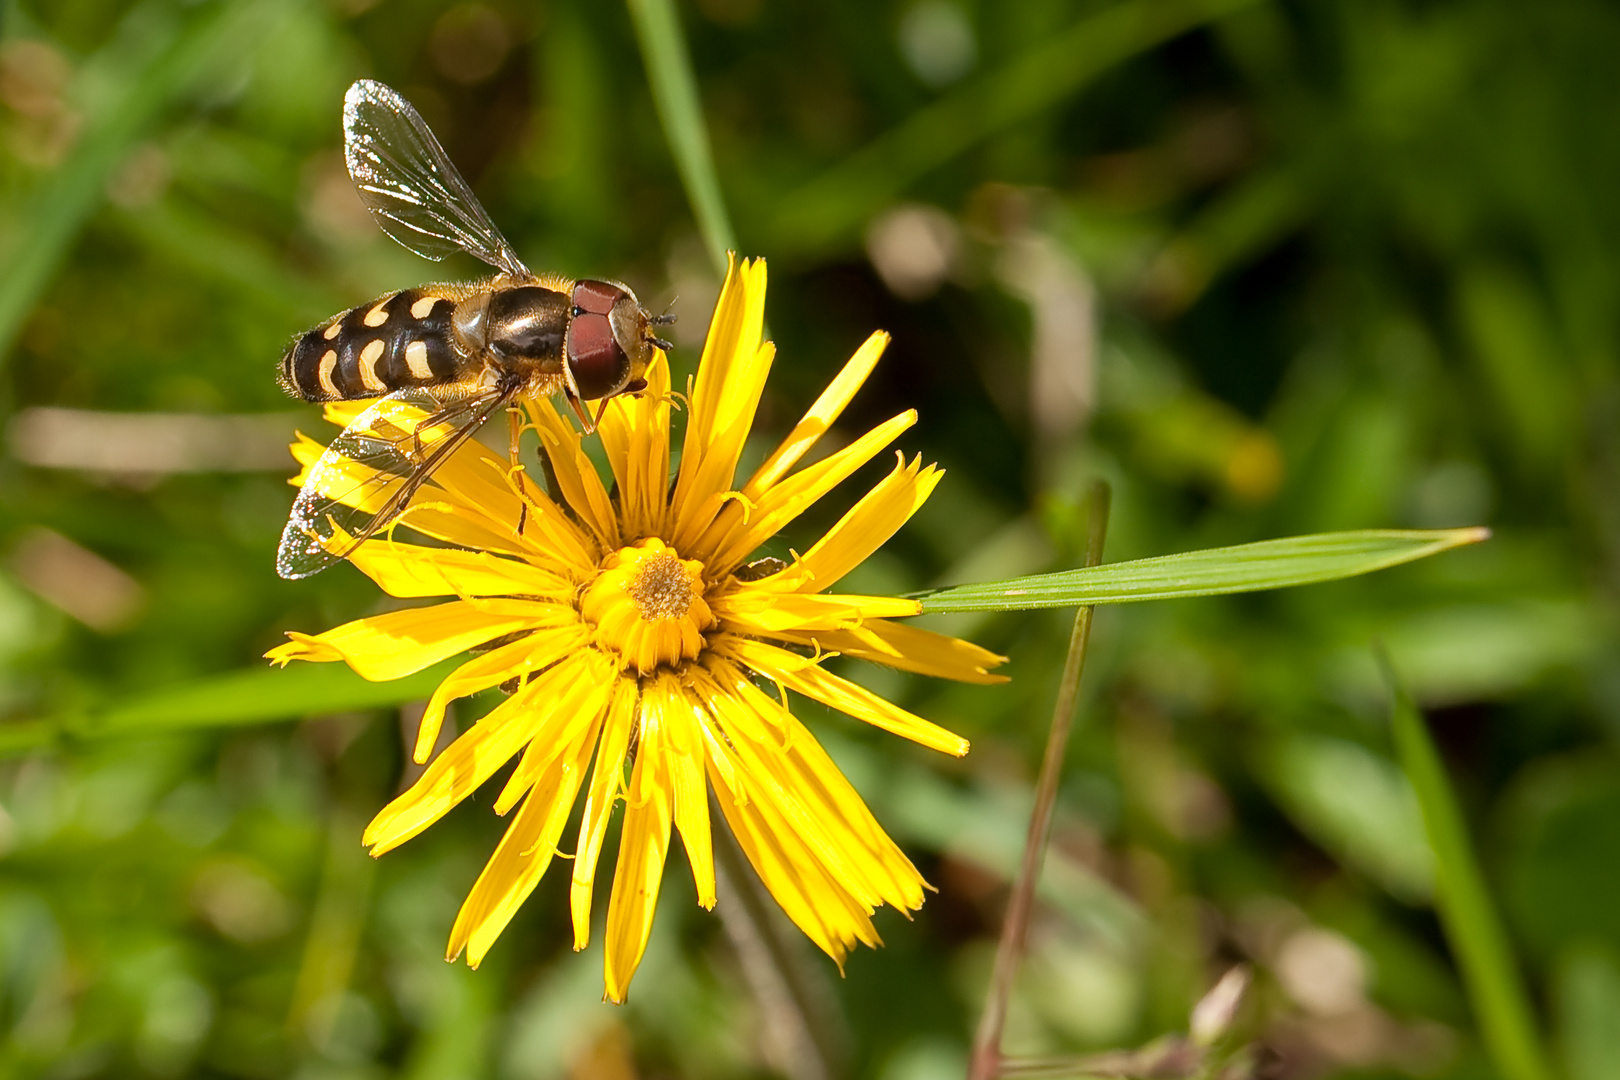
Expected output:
(366, 477)
(407, 181)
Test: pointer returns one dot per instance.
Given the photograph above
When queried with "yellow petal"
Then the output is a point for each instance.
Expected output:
(576, 713)
(522, 856)
(474, 478)
(801, 884)
(470, 760)
(801, 674)
(403, 642)
(530, 654)
(607, 785)
(755, 611)
(345, 481)
(344, 413)
(735, 332)
(480, 488)
(431, 513)
(818, 804)
(306, 451)
(837, 820)
(907, 648)
(735, 533)
(711, 475)
(865, 528)
(684, 720)
(635, 435)
(361, 485)
(483, 485)
(473, 484)
(409, 570)
(730, 378)
(828, 407)
(581, 486)
(643, 847)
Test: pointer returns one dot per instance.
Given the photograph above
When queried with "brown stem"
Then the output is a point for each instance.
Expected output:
(796, 1016)
(986, 1060)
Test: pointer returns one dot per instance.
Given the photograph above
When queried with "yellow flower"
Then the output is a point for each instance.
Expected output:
(646, 661)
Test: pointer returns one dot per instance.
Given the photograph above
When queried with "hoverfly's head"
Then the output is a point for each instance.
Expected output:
(611, 340)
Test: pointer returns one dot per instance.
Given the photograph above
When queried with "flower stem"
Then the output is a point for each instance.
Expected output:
(793, 1009)
(986, 1060)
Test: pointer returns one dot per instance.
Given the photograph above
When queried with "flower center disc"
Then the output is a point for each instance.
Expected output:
(647, 606)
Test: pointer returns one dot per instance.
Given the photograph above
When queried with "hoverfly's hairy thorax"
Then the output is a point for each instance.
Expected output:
(526, 327)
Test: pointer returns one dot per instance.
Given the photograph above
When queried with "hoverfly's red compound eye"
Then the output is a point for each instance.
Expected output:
(598, 364)
(595, 359)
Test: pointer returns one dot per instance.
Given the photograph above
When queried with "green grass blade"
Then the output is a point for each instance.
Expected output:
(1500, 1002)
(674, 92)
(151, 63)
(985, 1062)
(256, 696)
(842, 198)
(1270, 564)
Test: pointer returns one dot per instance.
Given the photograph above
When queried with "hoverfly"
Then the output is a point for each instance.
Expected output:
(457, 353)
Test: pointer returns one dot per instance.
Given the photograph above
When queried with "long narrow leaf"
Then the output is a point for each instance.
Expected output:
(674, 93)
(1269, 564)
(1501, 1005)
(255, 696)
(152, 61)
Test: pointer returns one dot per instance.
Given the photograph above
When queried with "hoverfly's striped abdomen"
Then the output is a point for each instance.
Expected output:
(401, 340)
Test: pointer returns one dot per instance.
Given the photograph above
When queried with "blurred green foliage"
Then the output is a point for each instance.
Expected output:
(1270, 267)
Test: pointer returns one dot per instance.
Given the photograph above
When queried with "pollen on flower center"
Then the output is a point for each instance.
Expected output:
(646, 605)
(661, 588)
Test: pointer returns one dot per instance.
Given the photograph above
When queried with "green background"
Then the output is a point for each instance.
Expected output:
(1269, 268)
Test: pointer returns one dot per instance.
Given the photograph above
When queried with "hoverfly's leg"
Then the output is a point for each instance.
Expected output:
(570, 385)
(600, 409)
(583, 413)
(514, 436)
(514, 433)
(571, 392)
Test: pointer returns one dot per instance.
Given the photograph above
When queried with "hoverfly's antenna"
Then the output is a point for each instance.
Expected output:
(665, 319)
